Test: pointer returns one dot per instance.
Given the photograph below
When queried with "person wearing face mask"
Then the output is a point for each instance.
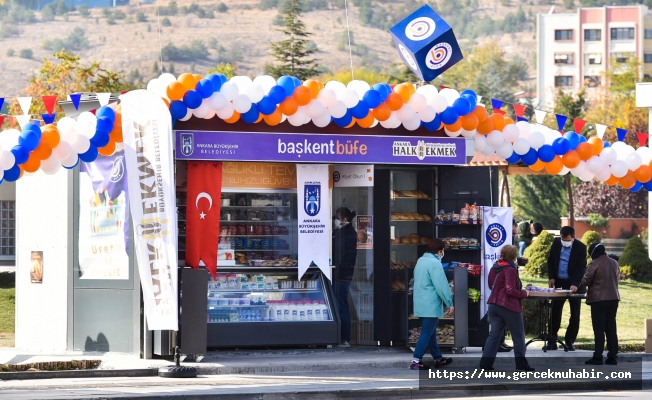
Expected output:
(431, 293)
(345, 240)
(566, 267)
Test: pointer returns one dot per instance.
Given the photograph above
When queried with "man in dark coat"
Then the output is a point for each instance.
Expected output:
(566, 268)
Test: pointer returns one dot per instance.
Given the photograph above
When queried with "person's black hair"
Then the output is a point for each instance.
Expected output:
(596, 250)
(567, 231)
(514, 223)
(538, 228)
(345, 213)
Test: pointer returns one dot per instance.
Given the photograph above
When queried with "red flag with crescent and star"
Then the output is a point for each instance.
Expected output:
(203, 214)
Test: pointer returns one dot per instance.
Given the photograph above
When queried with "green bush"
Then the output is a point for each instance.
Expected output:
(26, 53)
(537, 253)
(10, 53)
(588, 239)
(531, 313)
(84, 11)
(166, 22)
(635, 262)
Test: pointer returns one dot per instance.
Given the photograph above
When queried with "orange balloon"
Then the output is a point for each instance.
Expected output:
(260, 118)
(116, 133)
(32, 164)
(108, 149)
(454, 127)
(485, 127)
(175, 91)
(509, 121)
(166, 101)
(197, 78)
(50, 135)
(22, 171)
(571, 159)
(353, 121)
(480, 112)
(410, 87)
(382, 112)
(628, 181)
(469, 121)
(187, 80)
(288, 106)
(367, 121)
(302, 95)
(643, 174)
(584, 150)
(118, 117)
(43, 151)
(538, 166)
(555, 166)
(313, 85)
(612, 181)
(403, 91)
(597, 145)
(234, 118)
(499, 122)
(394, 101)
(274, 118)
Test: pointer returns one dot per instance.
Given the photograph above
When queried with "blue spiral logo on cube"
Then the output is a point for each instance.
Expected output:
(496, 235)
(407, 57)
(439, 55)
(420, 28)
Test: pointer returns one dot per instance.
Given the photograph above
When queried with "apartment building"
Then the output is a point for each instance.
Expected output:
(575, 49)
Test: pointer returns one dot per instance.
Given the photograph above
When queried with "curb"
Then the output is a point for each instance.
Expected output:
(89, 373)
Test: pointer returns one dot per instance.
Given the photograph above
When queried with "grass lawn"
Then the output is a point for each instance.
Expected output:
(7, 316)
(635, 306)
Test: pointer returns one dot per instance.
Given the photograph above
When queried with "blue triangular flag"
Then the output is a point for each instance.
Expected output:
(496, 104)
(561, 121)
(519, 119)
(48, 119)
(75, 98)
(2, 101)
(621, 134)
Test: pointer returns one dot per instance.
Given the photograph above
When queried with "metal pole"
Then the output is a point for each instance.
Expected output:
(491, 187)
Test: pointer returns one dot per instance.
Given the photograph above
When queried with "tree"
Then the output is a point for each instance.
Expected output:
(609, 201)
(635, 262)
(225, 69)
(84, 11)
(589, 238)
(363, 74)
(291, 54)
(222, 8)
(47, 13)
(537, 253)
(541, 198)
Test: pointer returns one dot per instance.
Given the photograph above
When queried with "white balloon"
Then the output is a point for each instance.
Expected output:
(375, 123)
(645, 153)
(360, 87)
(63, 150)
(335, 86)
(229, 90)
(579, 170)
(187, 116)
(510, 133)
(86, 124)
(242, 104)
(450, 94)
(495, 139)
(349, 97)
(390, 123)
(211, 114)
(166, 78)
(70, 160)
(480, 142)
(255, 93)
(406, 113)
(227, 111)
(587, 176)
(338, 109)
(298, 118)
(488, 150)
(633, 161)
(629, 149)
(594, 164)
(217, 101)
(453, 133)
(427, 114)
(52, 164)
(608, 156)
(418, 102)
(604, 174)
(2, 173)
(243, 82)
(619, 168)
(68, 130)
(314, 109)
(307, 117)
(284, 118)
(521, 146)
(81, 144)
(413, 124)
(524, 129)
(428, 91)
(468, 134)
(7, 160)
(327, 97)
(536, 140)
(266, 82)
(438, 102)
(322, 120)
(9, 138)
(153, 86)
(203, 110)
(549, 136)
(505, 150)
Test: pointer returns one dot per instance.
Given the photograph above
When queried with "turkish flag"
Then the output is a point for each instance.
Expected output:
(203, 214)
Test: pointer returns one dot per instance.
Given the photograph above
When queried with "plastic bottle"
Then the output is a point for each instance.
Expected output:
(286, 311)
(317, 311)
(310, 310)
(301, 307)
(324, 311)
(271, 306)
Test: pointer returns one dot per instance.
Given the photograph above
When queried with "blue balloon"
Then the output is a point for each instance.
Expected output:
(606, 144)
(449, 116)
(513, 159)
(573, 138)
(28, 140)
(178, 110)
(360, 110)
(106, 111)
(345, 120)
(100, 139)
(372, 98)
(90, 155)
(648, 186)
(433, 125)
(251, 116)
(288, 84)
(192, 99)
(473, 100)
(217, 80)
(382, 90)
(561, 146)
(546, 153)
(104, 125)
(637, 186)
(462, 106)
(34, 128)
(277, 94)
(12, 174)
(530, 158)
(469, 92)
(582, 139)
(205, 88)
(73, 166)
(296, 81)
(266, 106)
(21, 154)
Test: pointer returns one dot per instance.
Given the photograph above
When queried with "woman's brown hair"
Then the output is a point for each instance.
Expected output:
(509, 253)
(435, 245)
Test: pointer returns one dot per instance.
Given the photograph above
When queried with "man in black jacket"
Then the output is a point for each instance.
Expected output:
(566, 268)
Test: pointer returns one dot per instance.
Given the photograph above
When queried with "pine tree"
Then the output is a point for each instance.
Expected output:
(537, 253)
(541, 198)
(292, 54)
(635, 262)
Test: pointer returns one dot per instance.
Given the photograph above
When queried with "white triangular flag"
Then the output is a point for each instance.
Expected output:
(103, 98)
(25, 104)
(23, 119)
(479, 99)
(600, 129)
(540, 116)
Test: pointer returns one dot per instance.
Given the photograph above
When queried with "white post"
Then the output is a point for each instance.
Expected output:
(644, 100)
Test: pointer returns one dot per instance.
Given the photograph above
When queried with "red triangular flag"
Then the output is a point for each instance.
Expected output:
(49, 102)
(441, 87)
(579, 124)
(499, 111)
(642, 138)
(2, 120)
(203, 214)
(519, 109)
(124, 92)
(93, 111)
(11, 121)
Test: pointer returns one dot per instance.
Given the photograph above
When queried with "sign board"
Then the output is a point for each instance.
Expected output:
(259, 175)
(353, 175)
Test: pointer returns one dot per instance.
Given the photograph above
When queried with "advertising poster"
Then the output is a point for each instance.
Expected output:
(497, 232)
(313, 218)
(36, 270)
(365, 232)
(103, 222)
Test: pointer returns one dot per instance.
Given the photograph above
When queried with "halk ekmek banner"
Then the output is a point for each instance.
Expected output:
(147, 132)
(496, 233)
(313, 211)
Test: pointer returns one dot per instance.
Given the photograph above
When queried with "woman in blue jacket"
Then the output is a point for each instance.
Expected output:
(431, 294)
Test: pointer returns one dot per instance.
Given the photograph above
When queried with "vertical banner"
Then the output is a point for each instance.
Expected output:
(203, 214)
(36, 270)
(147, 133)
(313, 217)
(496, 233)
(365, 229)
(103, 222)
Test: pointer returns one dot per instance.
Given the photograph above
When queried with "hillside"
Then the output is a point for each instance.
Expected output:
(126, 38)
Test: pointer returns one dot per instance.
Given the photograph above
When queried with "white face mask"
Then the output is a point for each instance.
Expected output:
(568, 243)
(337, 224)
(441, 255)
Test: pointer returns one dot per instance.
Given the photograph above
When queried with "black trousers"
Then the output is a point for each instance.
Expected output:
(603, 317)
(558, 307)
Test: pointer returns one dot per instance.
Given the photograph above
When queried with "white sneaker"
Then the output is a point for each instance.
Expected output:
(344, 344)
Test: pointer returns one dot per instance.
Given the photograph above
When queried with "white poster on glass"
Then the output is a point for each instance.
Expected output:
(496, 233)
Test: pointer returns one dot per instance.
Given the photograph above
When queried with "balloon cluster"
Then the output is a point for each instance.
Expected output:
(59, 145)
(274, 101)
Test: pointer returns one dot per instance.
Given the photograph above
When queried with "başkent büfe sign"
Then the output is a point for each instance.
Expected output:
(319, 148)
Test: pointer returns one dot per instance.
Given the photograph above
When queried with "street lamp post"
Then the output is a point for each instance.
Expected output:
(644, 100)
